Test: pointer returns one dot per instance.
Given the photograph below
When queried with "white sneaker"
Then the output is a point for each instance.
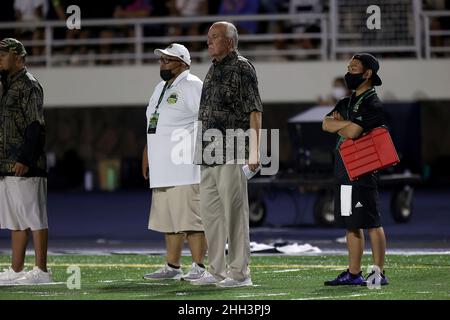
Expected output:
(165, 273)
(35, 276)
(196, 272)
(9, 276)
(205, 280)
(231, 283)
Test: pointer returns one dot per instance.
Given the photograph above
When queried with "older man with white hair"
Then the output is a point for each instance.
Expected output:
(230, 102)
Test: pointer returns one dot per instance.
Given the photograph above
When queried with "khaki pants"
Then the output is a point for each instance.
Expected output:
(224, 211)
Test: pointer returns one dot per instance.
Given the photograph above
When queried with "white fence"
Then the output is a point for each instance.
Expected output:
(340, 31)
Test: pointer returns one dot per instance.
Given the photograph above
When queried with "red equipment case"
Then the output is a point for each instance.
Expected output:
(371, 152)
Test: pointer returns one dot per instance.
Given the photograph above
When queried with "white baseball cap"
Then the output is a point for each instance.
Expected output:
(175, 50)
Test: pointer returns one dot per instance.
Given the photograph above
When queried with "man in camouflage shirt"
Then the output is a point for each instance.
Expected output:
(23, 182)
(230, 105)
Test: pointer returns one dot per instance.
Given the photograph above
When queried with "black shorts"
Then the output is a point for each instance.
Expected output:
(365, 209)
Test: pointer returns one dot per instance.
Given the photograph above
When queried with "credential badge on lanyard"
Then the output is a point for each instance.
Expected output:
(153, 122)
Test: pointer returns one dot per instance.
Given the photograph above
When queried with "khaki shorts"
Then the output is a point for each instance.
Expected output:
(23, 203)
(176, 209)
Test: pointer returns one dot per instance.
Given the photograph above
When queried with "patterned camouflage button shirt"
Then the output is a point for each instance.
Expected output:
(230, 93)
(22, 128)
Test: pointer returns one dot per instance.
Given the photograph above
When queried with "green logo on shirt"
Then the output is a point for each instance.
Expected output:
(172, 99)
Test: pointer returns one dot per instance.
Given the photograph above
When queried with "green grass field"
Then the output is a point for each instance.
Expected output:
(274, 277)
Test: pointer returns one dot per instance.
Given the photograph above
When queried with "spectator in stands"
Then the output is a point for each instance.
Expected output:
(338, 92)
(241, 7)
(160, 8)
(105, 34)
(305, 24)
(133, 9)
(213, 7)
(58, 9)
(31, 11)
(89, 10)
(269, 7)
(438, 23)
(6, 15)
(274, 7)
(129, 9)
(187, 8)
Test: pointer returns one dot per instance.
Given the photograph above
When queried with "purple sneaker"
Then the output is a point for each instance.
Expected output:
(347, 279)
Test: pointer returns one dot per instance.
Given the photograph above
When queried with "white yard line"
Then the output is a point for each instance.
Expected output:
(282, 271)
(262, 295)
(335, 297)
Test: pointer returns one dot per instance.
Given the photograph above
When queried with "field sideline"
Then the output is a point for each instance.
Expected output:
(111, 277)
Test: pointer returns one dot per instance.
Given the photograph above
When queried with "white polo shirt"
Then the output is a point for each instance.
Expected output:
(171, 148)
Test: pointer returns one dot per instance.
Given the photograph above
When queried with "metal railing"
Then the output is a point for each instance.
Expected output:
(338, 39)
(259, 45)
(140, 39)
(427, 17)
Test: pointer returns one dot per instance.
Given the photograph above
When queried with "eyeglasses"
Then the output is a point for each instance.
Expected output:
(166, 61)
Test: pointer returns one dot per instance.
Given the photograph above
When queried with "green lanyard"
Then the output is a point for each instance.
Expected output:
(153, 122)
(366, 94)
(161, 96)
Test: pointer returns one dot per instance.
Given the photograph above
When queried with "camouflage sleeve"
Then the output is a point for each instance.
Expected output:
(31, 105)
(250, 91)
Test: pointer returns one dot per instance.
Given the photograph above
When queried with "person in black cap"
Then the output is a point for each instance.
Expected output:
(356, 202)
(23, 165)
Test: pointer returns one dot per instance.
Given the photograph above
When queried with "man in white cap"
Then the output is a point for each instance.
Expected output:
(168, 161)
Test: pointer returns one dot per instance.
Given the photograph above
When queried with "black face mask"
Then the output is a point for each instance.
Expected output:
(166, 75)
(353, 81)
